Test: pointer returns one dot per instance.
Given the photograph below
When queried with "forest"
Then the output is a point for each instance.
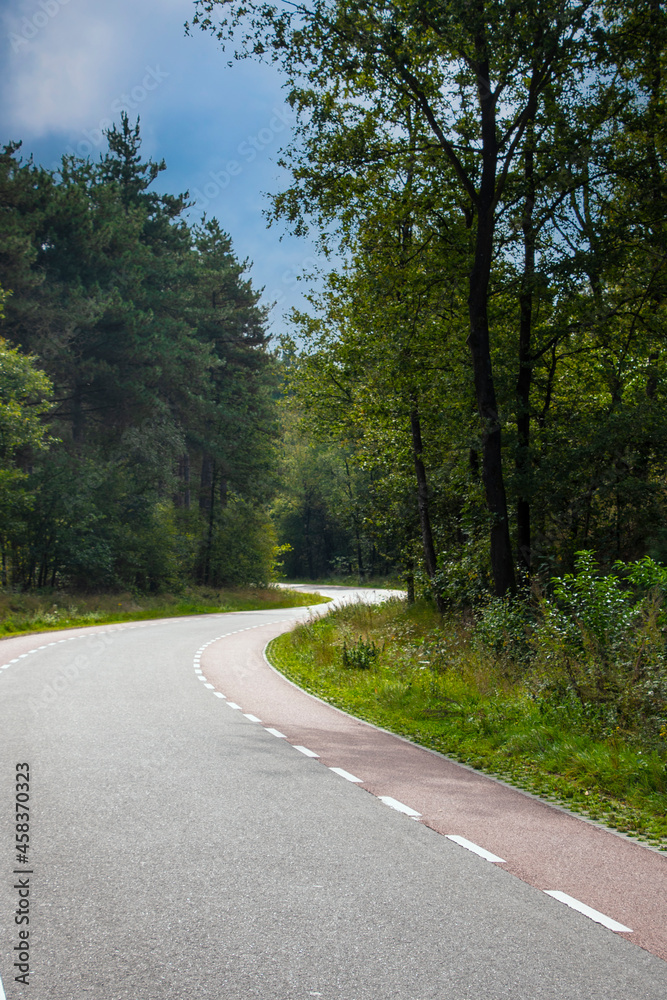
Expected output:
(137, 426)
(477, 392)
(481, 382)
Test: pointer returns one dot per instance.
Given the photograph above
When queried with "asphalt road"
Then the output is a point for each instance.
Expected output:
(180, 850)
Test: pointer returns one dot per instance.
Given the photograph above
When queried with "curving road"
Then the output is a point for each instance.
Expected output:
(180, 848)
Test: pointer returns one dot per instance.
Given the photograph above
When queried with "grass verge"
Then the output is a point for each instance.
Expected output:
(46, 611)
(399, 668)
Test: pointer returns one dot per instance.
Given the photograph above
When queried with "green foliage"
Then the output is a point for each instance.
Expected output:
(596, 646)
(463, 577)
(148, 336)
(594, 605)
(242, 547)
(321, 508)
(361, 655)
(646, 575)
(25, 393)
(554, 187)
(503, 628)
(603, 646)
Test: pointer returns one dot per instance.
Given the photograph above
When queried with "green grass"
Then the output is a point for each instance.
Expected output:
(45, 611)
(434, 685)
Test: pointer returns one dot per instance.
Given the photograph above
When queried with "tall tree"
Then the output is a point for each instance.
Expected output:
(152, 336)
(474, 75)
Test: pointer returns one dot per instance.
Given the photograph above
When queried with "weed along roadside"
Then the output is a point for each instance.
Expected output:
(550, 705)
(22, 613)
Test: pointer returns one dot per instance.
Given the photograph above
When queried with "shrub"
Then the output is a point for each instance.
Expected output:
(362, 655)
(502, 627)
(603, 643)
(463, 580)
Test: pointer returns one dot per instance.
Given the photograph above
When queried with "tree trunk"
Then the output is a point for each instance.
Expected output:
(211, 521)
(184, 475)
(502, 562)
(309, 547)
(430, 560)
(360, 562)
(355, 519)
(524, 379)
(78, 417)
(205, 479)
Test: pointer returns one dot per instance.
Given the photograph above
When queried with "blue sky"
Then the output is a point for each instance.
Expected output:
(72, 66)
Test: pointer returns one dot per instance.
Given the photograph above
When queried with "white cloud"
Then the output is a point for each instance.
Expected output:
(70, 60)
(57, 79)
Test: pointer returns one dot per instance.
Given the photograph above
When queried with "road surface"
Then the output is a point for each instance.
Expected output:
(180, 849)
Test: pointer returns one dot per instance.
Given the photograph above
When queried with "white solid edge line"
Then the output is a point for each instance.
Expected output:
(475, 848)
(232, 704)
(345, 774)
(399, 806)
(305, 750)
(588, 911)
(275, 732)
(253, 718)
(2, 992)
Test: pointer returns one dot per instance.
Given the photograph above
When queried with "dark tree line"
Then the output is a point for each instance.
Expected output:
(156, 455)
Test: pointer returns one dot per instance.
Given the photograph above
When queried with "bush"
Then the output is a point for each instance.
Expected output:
(463, 580)
(503, 627)
(603, 643)
(360, 656)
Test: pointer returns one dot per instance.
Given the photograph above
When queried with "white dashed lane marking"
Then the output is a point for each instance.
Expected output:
(345, 774)
(253, 718)
(305, 750)
(588, 911)
(275, 732)
(475, 848)
(399, 806)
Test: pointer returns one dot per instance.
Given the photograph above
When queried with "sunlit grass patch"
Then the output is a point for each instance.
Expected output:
(48, 610)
